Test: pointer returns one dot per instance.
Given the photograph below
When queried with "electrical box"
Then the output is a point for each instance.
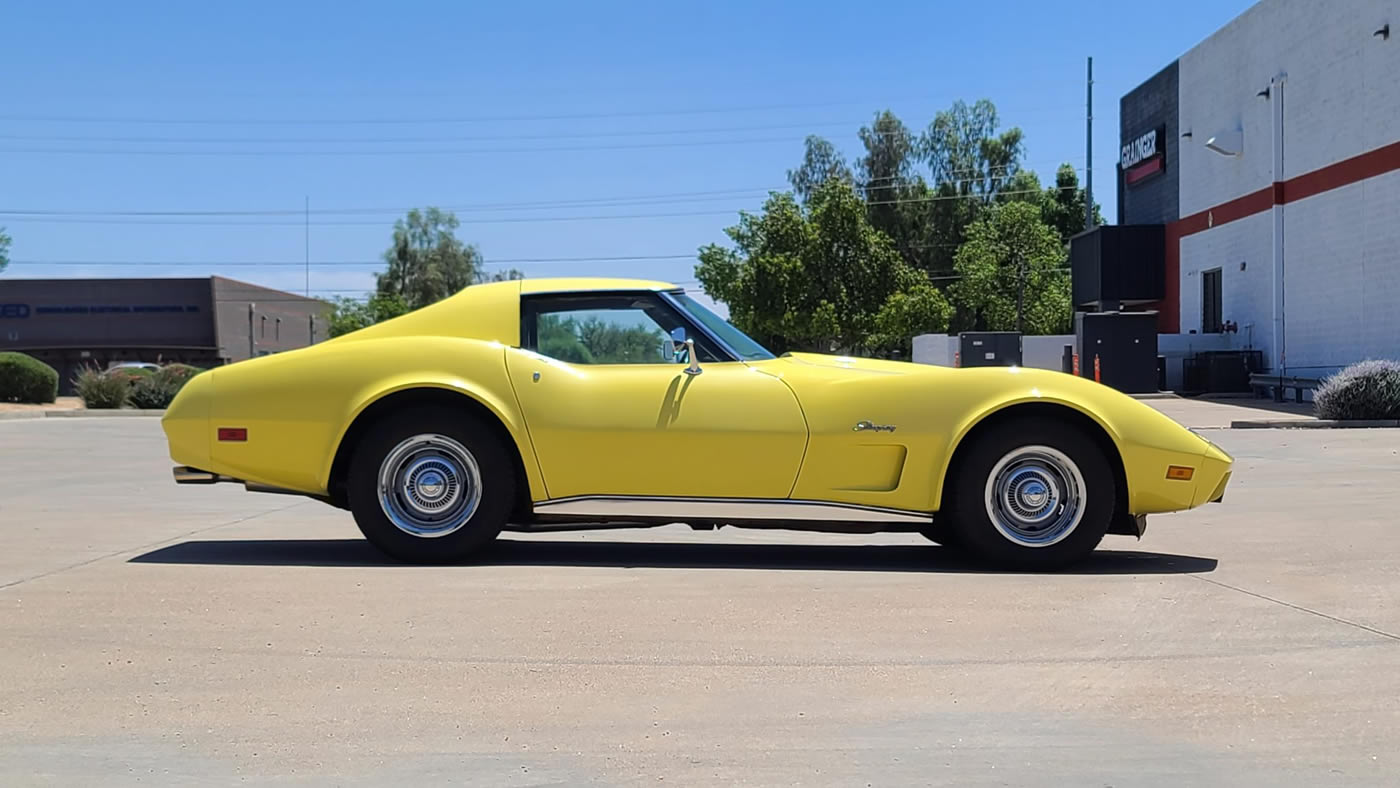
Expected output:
(1118, 349)
(989, 349)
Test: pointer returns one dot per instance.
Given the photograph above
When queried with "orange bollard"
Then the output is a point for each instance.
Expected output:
(1096, 369)
(957, 358)
(1076, 364)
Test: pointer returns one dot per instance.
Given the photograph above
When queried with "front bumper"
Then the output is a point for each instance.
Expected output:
(1213, 476)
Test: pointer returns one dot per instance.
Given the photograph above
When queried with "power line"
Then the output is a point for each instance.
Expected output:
(349, 263)
(393, 152)
(143, 220)
(402, 121)
(382, 140)
(652, 199)
(647, 199)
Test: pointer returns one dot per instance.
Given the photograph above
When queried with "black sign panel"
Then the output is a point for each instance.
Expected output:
(1144, 155)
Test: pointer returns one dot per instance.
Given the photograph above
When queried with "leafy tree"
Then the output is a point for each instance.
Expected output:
(596, 341)
(895, 192)
(921, 309)
(811, 276)
(964, 150)
(1012, 273)
(349, 314)
(4, 249)
(610, 343)
(427, 262)
(969, 164)
(1062, 205)
(820, 162)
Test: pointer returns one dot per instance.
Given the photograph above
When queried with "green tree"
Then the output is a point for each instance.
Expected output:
(970, 163)
(1012, 273)
(811, 276)
(922, 309)
(963, 149)
(4, 250)
(350, 314)
(1062, 205)
(597, 341)
(897, 195)
(820, 162)
(427, 262)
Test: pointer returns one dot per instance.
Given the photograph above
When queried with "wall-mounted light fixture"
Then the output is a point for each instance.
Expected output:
(1186, 136)
(1226, 143)
(1262, 94)
(1384, 32)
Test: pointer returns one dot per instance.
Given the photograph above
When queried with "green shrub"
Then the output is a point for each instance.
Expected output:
(134, 373)
(26, 379)
(1368, 390)
(182, 371)
(101, 390)
(157, 391)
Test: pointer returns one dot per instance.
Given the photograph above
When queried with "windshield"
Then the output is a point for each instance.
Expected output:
(741, 343)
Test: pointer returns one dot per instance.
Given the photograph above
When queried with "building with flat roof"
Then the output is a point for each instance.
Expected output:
(1259, 190)
(74, 323)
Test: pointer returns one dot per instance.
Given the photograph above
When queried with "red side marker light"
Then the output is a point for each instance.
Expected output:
(235, 434)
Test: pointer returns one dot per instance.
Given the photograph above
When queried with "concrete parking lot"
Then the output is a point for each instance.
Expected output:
(161, 635)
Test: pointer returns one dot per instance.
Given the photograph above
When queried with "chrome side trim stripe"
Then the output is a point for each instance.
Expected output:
(682, 509)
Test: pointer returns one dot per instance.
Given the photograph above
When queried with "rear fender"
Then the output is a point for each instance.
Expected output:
(501, 404)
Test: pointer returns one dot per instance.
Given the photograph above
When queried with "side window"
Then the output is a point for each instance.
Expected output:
(605, 329)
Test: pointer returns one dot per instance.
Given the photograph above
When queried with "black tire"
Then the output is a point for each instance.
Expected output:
(477, 528)
(942, 534)
(1009, 545)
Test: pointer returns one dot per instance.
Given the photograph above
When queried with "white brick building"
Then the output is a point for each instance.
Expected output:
(1278, 182)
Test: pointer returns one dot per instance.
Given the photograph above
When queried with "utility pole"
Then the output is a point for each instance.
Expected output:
(308, 246)
(1089, 149)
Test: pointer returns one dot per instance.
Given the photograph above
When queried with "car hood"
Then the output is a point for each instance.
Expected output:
(863, 364)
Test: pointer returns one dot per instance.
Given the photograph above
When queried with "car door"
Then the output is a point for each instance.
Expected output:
(611, 412)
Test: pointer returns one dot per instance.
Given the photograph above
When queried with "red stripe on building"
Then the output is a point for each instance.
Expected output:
(1343, 173)
(1324, 179)
(1225, 212)
(1149, 167)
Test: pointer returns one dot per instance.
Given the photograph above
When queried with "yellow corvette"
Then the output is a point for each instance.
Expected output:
(550, 404)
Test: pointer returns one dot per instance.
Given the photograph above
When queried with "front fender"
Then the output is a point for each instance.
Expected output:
(1147, 440)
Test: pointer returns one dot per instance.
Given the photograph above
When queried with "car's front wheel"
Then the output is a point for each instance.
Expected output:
(1032, 494)
(430, 486)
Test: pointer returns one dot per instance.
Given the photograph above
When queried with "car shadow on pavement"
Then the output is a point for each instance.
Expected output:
(657, 555)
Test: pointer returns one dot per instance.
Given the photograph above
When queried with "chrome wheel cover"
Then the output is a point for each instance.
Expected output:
(1035, 496)
(429, 486)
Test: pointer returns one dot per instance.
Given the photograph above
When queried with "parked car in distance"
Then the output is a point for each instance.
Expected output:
(548, 404)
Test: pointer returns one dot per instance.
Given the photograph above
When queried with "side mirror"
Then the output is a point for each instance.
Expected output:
(679, 344)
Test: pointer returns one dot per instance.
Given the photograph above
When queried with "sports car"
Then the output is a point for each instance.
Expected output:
(550, 404)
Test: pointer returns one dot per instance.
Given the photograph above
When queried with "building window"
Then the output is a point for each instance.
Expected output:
(1211, 321)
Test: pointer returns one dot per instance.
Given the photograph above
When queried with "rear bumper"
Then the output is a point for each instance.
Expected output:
(184, 474)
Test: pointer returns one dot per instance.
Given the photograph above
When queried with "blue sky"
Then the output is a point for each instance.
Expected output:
(517, 114)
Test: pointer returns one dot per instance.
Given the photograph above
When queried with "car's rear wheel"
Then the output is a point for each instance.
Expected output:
(430, 486)
(1032, 494)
